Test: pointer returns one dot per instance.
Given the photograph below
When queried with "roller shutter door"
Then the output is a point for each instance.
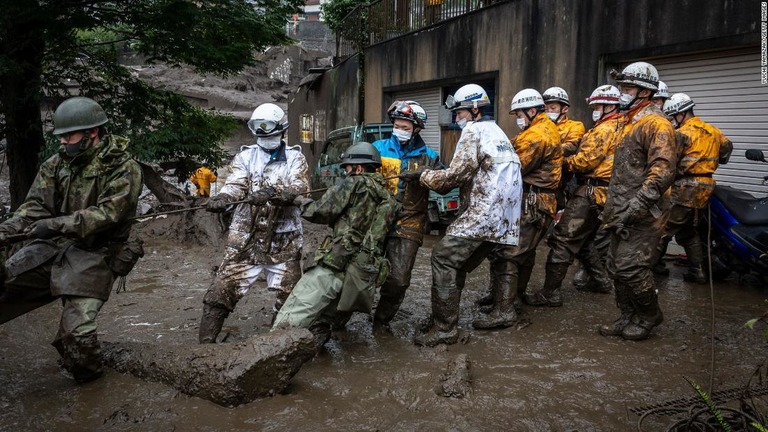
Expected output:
(726, 89)
(430, 101)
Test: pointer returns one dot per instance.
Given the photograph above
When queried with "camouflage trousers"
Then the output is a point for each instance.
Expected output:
(76, 340)
(682, 224)
(233, 280)
(401, 254)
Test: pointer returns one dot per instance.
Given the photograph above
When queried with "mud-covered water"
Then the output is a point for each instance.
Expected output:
(557, 374)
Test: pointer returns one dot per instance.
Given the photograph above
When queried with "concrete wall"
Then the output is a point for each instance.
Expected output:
(331, 98)
(543, 43)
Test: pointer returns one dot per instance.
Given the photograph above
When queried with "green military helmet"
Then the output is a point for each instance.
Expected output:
(76, 114)
(362, 153)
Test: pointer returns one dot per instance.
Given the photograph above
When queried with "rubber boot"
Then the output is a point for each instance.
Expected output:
(445, 313)
(211, 323)
(581, 279)
(598, 280)
(648, 315)
(503, 313)
(280, 298)
(660, 268)
(321, 333)
(81, 356)
(695, 259)
(486, 302)
(627, 309)
(523, 277)
(549, 295)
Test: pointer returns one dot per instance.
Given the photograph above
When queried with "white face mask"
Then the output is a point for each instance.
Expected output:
(462, 123)
(402, 135)
(521, 123)
(596, 115)
(625, 100)
(553, 116)
(268, 143)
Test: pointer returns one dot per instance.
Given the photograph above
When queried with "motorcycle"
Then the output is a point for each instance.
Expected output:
(736, 229)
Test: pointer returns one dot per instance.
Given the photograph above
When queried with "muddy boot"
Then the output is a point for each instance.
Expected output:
(598, 280)
(280, 298)
(695, 272)
(549, 295)
(624, 302)
(321, 333)
(81, 356)
(445, 313)
(695, 275)
(503, 313)
(581, 279)
(660, 269)
(648, 315)
(486, 302)
(211, 323)
(523, 276)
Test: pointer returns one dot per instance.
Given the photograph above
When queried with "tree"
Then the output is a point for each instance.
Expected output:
(46, 46)
(334, 12)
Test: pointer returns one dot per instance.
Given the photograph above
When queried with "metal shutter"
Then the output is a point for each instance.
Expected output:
(430, 101)
(726, 89)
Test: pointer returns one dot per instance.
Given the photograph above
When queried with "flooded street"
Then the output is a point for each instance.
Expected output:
(556, 374)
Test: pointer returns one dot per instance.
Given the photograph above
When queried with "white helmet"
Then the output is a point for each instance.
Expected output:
(605, 94)
(556, 94)
(678, 103)
(268, 120)
(663, 92)
(466, 97)
(524, 99)
(641, 74)
(419, 112)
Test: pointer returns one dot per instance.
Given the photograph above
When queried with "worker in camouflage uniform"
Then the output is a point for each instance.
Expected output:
(644, 167)
(487, 170)
(541, 158)
(360, 210)
(705, 147)
(77, 213)
(404, 151)
(266, 233)
(592, 166)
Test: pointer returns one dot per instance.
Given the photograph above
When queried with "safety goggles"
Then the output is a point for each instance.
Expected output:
(401, 108)
(263, 126)
(450, 102)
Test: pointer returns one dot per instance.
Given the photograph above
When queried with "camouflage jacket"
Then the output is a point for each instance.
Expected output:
(541, 159)
(360, 210)
(88, 198)
(571, 132)
(594, 160)
(414, 198)
(705, 148)
(644, 162)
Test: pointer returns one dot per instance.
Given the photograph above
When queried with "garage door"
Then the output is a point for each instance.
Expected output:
(430, 101)
(726, 89)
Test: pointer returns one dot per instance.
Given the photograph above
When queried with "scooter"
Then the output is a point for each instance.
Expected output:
(736, 229)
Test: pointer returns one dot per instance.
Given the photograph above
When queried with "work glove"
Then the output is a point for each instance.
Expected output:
(41, 230)
(219, 203)
(635, 212)
(302, 201)
(261, 196)
(410, 176)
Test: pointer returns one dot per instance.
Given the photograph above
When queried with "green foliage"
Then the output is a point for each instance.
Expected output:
(355, 27)
(711, 405)
(78, 45)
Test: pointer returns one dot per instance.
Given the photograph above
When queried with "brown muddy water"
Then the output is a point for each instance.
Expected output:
(556, 374)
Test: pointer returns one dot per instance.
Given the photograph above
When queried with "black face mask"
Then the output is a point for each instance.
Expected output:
(74, 149)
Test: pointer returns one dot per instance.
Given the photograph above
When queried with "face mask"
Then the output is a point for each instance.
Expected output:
(521, 123)
(625, 100)
(553, 116)
(74, 149)
(268, 143)
(596, 115)
(462, 123)
(401, 135)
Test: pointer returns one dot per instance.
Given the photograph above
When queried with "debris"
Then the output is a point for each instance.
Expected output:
(455, 382)
(226, 374)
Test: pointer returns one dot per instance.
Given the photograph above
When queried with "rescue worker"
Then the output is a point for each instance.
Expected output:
(541, 159)
(265, 235)
(643, 169)
(487, 170)
(579, 223)
(361, 211)
(661, 96)
(705, 148)
(77, 213)
(202, 178)
(557, 106)
(404, 151)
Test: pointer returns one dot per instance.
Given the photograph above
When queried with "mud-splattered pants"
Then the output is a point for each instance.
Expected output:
(682, 225)
(401, 254)
(233, 281)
